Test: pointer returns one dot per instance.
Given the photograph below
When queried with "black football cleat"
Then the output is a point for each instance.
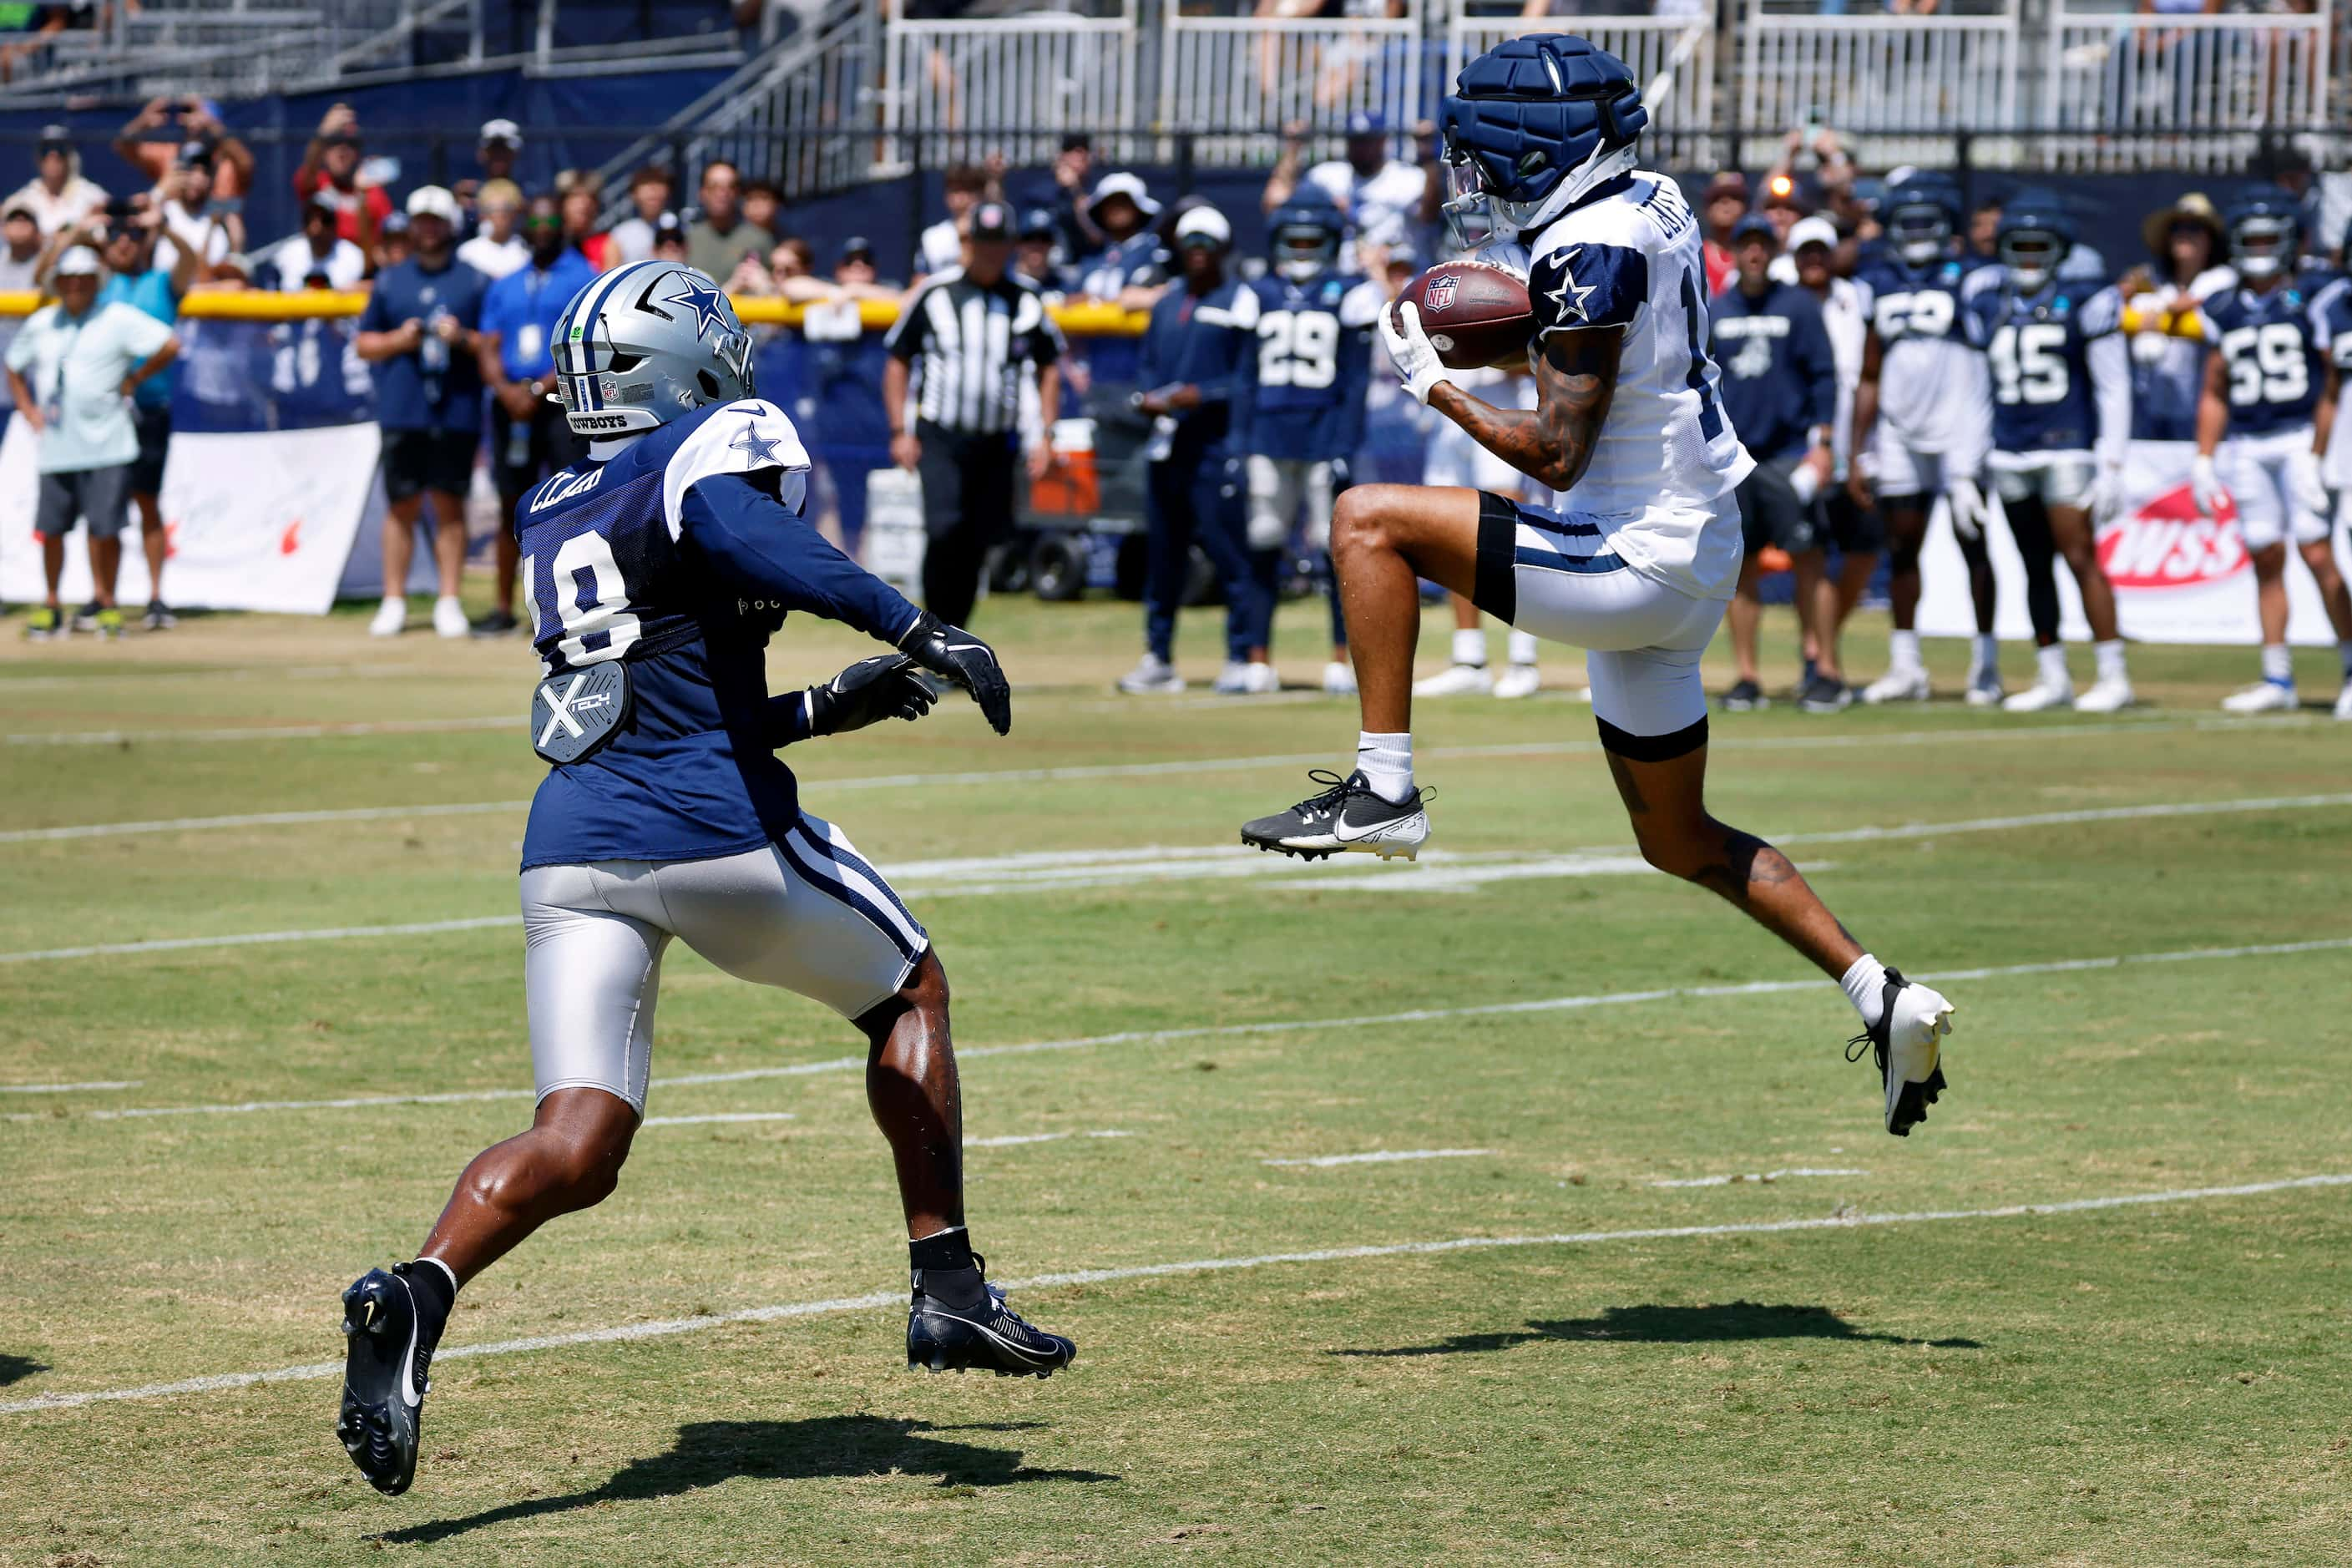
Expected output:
(991, 1336)
(385, 1369)
(1348, 814)
(1907, 1044)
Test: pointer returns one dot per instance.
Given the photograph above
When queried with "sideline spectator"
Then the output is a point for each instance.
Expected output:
(1984, 232)
(528, 436)
(87, 360)
(669, 238)
(419, 332)
(633, 237)
(1382, 197)
(331, 171)
(496, 152)
(1724, 204)
(59, 196)
(959, 435)
(128, 251)
(1779, 386)
(390, 248)
(1783, 208)
(185, 120)
(580, 208)
(20, 262)
(317, 257)
(722, 236)
(497, 249)
(2185, 247)
(849, 434)
(193, 221)
(1131, 269)
(942, 244)
(1071, 166)
(1033, 252)
(762, 204)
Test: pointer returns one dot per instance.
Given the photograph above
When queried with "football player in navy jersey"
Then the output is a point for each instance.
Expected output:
(1638, 564)
(1305, 401)
(2333, 313)
(655, 570)
(2263, 370)
(1923, 397)
(2060, 428)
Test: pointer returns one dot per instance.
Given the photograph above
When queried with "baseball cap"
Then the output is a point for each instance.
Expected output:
(18, 210)
(1730, 183)
(855, 246)
(1755, 225)
(57, 139)
(393, 223)
(1204, 222)
(670, 226)
(1122, 185)
(433, 200)
(991, 220)
(80, 261)
(1808, 231)
(193, 155)
(501, 132)
(1364, 123)
(1038, 223)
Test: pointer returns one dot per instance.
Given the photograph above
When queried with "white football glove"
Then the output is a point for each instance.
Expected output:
(1408, 346)
(2108, 498)
(2305, 487)
(2205, 487)
(1967, 508)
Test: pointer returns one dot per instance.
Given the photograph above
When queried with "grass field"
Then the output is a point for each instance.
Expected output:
(1894, 1352)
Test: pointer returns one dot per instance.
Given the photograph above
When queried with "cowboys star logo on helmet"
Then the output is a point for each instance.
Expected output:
(699, 294)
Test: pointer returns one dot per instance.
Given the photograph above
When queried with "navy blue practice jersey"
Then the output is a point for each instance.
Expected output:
(679, 556)
(1313, 366)
(2039, 348)
(2270, 350)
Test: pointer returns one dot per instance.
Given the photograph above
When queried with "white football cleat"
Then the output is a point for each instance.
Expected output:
(2343, 703)
(449, 618)
(1152, 677)
(1985, 689)
(1898, 686)
(1518, 681)
(1338, 679)
(2261, 696)
(1456, 680)
(1233, 679)
(391, 619)
(2038, 698)
(2107, 696)
(1261, 679)
(1907, 1044)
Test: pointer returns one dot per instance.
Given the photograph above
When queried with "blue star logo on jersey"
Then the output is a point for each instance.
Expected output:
(706, 302)
(1567, 286)
(755, 449)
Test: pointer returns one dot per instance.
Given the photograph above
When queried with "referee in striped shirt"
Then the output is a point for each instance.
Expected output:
(966, 340)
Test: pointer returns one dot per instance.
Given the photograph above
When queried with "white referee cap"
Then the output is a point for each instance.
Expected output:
(1206, 222)
(1808, 231)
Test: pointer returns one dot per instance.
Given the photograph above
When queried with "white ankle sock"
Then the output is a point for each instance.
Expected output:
(1865, 987)
(1386, 763)
(1470, 647)
(2278, 664)
(2050, 664)
(1985, 655)
(1522, 646)
(2110, 656)
(1903, 650)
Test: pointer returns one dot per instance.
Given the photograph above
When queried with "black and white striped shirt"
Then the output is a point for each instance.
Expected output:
(968, 343)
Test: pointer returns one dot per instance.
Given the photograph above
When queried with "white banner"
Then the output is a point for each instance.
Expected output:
(2179, 577)
(257, 522)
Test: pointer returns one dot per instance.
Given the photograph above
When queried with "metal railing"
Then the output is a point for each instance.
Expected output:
(1865, 75)
(1048, 72)
(2140, 81)
(1218, 73)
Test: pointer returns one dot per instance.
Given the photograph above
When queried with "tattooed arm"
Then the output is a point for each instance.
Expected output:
(1576, 375)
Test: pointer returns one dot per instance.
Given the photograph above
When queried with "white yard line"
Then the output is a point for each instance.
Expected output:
(1058, 870)
(69, 1088)
(1011, 1139)
(1759, 1176)
(265, 731)
(719, 1116)
(1268, 1026)
(1382, 1157)
(260, 819)
(315, 1372)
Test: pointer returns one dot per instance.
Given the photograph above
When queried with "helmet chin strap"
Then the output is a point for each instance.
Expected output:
(1601, 168)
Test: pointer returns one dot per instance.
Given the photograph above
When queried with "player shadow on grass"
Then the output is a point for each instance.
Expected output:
(1674, 1326)
(707, 1453)
(15, 1368)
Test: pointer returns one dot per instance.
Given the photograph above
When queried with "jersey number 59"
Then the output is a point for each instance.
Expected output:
(2266, 363)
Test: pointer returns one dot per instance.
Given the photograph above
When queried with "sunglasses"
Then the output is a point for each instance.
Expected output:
(547, 223)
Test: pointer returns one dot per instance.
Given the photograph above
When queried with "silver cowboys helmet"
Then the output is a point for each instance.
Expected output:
(645, 343)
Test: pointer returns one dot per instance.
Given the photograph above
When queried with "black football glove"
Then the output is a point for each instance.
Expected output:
(953, 652)
(872, 690)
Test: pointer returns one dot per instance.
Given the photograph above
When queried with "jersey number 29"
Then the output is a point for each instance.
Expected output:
(1297, 348)
(589, 596)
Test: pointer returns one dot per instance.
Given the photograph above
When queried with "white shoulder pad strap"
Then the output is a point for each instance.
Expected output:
(1241, 314)
(743, 437)
(1360, 306)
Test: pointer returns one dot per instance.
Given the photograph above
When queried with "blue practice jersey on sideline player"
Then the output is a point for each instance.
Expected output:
(2269, 345)
(2037, 347)
(1313, 366)
(680, 554)
(1931, 383)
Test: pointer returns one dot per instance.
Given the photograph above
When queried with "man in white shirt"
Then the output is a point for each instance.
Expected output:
(19, 261)
(633, 237)
(497, 249)
(317, 252)
(189, 224)
(1385, 199)
(59, 196)
(72, 370)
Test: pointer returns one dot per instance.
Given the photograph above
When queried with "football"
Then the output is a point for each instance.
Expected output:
(1475, 314)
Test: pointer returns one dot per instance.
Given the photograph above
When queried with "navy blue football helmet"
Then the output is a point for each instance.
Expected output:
(1534, 123)
(2035, 238)
(1304, 234)
(2266, 231)
(1922, 213)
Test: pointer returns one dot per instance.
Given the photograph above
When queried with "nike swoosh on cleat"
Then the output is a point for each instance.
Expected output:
(1395, 826)
(408, 1360)
(992, 1333)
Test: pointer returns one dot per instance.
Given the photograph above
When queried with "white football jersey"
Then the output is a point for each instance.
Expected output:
(1667, 457)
